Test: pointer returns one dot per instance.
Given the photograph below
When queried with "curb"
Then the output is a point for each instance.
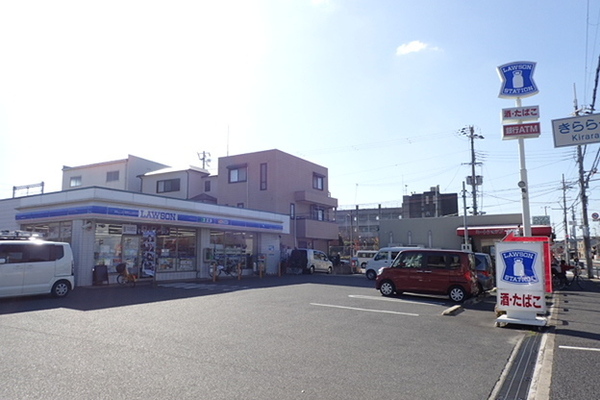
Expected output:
(453, 310)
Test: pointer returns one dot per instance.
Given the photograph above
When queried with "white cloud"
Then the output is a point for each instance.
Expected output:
(413, 47)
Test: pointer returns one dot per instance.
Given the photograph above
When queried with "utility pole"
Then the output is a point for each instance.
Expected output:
(467, 244)
(587, 248)
(474, 179)
(566, 222)
(204, 157)
(583, 184)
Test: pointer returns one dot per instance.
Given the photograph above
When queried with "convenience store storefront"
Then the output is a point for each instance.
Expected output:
(484, 238)
(158, 237)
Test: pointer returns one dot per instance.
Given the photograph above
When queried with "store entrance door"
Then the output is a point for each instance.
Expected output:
(130, 246)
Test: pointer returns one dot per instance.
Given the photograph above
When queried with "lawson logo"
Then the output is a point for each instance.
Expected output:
(519, 267)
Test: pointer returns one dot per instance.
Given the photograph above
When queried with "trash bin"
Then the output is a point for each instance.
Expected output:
(100, 274)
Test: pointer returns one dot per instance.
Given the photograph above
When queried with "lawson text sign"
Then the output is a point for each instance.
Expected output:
(520, 278)
(517, 79)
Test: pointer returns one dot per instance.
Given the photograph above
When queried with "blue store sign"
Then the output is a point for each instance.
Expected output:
(517, 79)
(519, 267)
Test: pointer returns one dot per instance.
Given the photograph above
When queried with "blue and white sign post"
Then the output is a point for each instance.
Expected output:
(517, 82)
(520, 283)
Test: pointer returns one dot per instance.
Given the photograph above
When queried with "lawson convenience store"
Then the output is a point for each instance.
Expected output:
(163, 238)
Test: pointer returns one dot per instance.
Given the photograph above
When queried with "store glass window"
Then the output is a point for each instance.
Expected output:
(231, 249)
(55, 231)
(176, 250)
(108, 247)
(146, 249)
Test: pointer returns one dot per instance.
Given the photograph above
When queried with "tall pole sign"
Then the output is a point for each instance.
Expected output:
(519, 122)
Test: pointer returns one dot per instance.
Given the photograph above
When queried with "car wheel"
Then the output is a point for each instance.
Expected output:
(371, 275)
(61, 289)
(387, 288)
(363, 265)
(329, 270)
(457, 294)
(311, 270)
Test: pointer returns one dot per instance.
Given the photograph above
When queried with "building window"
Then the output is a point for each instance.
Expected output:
(207, 186)
(292, 211)
(75, 181)
(112, 176)
(318, 182)
(318, 213)
(237, 174)
(263, 176)
(168, 185)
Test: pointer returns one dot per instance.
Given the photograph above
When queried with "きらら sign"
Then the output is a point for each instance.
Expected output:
(584, 129)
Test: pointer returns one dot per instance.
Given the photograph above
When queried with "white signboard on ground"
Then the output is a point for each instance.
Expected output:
(520, 283)
(584, 129)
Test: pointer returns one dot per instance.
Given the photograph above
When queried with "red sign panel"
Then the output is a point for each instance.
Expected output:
(514, 114)
(521, 130)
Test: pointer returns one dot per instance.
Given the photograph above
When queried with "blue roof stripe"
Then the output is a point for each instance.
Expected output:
(134, 213)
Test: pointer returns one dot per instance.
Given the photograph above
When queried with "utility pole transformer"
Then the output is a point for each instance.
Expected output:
(474, 179)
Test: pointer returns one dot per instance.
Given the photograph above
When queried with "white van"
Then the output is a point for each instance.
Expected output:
(362, 257)
(29, 267)
(383, 258)
(310, 261)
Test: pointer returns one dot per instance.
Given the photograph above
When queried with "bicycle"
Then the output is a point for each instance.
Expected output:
(560, 283)
(230, 269)
(125, 277)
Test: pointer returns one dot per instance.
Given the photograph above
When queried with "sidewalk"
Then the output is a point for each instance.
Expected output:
(568, 364)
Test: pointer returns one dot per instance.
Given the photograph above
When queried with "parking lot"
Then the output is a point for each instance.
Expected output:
(307, 336)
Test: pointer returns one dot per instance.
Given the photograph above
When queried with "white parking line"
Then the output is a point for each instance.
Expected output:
(578, 348)
(365, 309)
(381, 298)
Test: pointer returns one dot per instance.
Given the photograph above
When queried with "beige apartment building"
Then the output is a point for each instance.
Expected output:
(270, 180)
(278, 182)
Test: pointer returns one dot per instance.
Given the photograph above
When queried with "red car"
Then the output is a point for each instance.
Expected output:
(430, 271)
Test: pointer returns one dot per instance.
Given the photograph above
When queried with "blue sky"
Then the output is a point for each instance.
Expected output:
(376, 91)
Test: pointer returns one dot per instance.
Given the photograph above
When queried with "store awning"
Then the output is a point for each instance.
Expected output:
(502, 230)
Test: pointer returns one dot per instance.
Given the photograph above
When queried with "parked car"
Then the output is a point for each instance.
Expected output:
(361, 258)
(446, 272)
(310, 261)
(30, 267)
(383, 258)
(486, 277)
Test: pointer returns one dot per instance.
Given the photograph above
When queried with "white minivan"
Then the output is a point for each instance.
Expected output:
(362, 257)
(310, 261)
(383, 258)
(30, 267)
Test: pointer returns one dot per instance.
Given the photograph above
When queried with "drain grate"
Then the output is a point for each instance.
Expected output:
(519, 377)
